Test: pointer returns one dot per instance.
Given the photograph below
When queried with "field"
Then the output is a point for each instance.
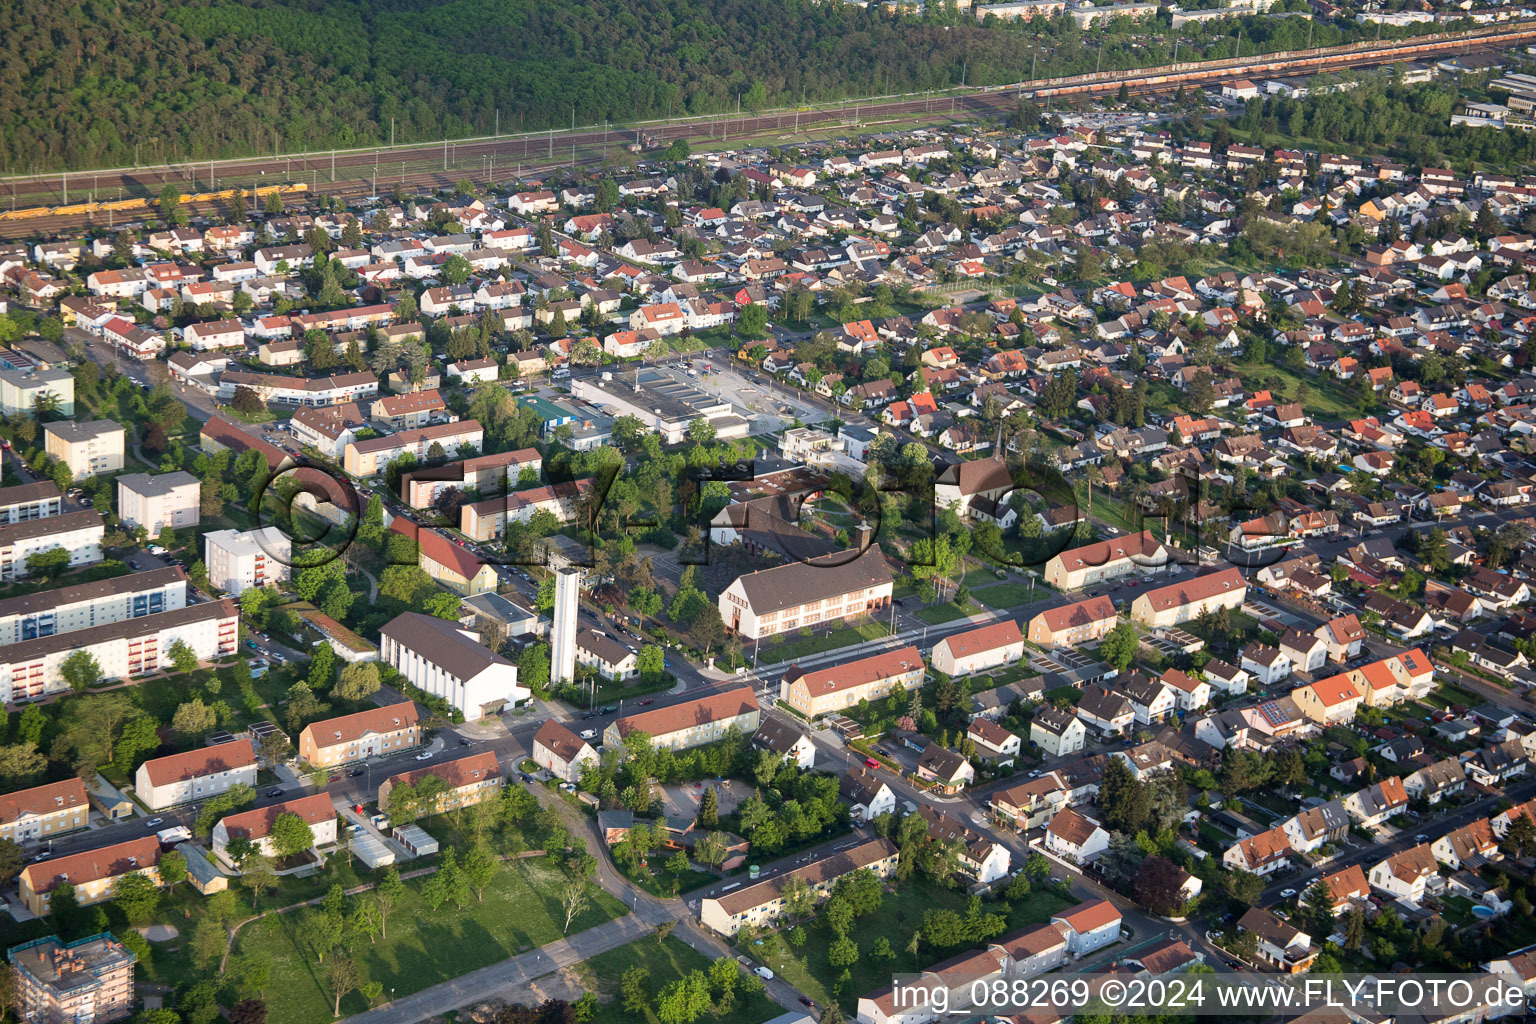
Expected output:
(521, 910)
(802, 646)
(1007, 595)
(665, 961)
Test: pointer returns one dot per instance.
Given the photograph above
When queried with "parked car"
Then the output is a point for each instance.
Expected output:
(274, 792)
(153, 823)
(425, 755)
(870, 762)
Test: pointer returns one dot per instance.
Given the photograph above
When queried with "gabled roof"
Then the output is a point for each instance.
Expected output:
(983, 639)
(349, 728)
(709, 707)
(195, 764)
(256, 824)
(564, 743)
(94, 865)
(49, 798)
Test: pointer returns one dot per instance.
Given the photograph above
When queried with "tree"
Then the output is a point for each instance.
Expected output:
(358, 681)
(183, 659)
(136, 895)
(81, 671)
(752, 320)
(21, 762)
(1159, 884)
(344, 977)
(248, 1011)
(1123, 798)
(709, 809)
(247, 402)
(634, 990)
(843, 952)
(389, 892)
(194, 718)
(291, 835)
(1119, 646)
(479, 870)
(257, 874)
(651, 663)
(1317, 903)
(170, 207)
(171, 869)
(574, 898)
(12, 861)
(210, 941)
(49, 564)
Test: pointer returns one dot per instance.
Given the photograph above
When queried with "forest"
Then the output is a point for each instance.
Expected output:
(165, 81)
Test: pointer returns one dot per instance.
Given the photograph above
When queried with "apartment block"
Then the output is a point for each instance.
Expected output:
(88, 449)
(362, 735)
(366, 458)
(31, 668)
(26, 502)
(84, 605)
(90, 980)
(690, 722)
(762, 904)
(467, 780)
(315, 809)
(79, 533)
(45, 811)
(160, 500)
(840, 686)
(240, 559)
(20, 391)
(195, 774)
(91, 872)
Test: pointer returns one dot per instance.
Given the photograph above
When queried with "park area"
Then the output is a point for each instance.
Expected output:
(519, 910)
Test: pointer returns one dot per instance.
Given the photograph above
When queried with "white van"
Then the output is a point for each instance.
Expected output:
(763, 972)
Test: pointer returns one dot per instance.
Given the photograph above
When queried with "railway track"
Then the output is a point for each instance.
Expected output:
(368, 172)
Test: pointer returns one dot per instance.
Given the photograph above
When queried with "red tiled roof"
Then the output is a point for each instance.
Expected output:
(194, 764)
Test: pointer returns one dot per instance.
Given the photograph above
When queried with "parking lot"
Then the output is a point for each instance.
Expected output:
(682, 800)
(768, 406)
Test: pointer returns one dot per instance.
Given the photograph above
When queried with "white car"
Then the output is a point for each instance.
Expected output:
(427, 756)
(1286, 894)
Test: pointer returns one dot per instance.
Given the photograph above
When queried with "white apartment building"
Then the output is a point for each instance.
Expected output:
(20, 390)
(25, 502)
(89, 448)
(160, 500)
(271, 387)
(84, 605)
(365, 458)
(79, 533)
(191, 775)
(134, 647)
(240, 559)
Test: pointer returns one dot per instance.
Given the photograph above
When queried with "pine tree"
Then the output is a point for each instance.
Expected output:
(709, 809)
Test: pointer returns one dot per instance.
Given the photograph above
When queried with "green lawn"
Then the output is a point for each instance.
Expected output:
(806, 967)
(521, 911)
(1325, 398)
(664, 961)
(947, 612)
(1006, 595)
(802, 646)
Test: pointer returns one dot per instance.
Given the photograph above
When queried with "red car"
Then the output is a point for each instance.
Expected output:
(870, 762)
